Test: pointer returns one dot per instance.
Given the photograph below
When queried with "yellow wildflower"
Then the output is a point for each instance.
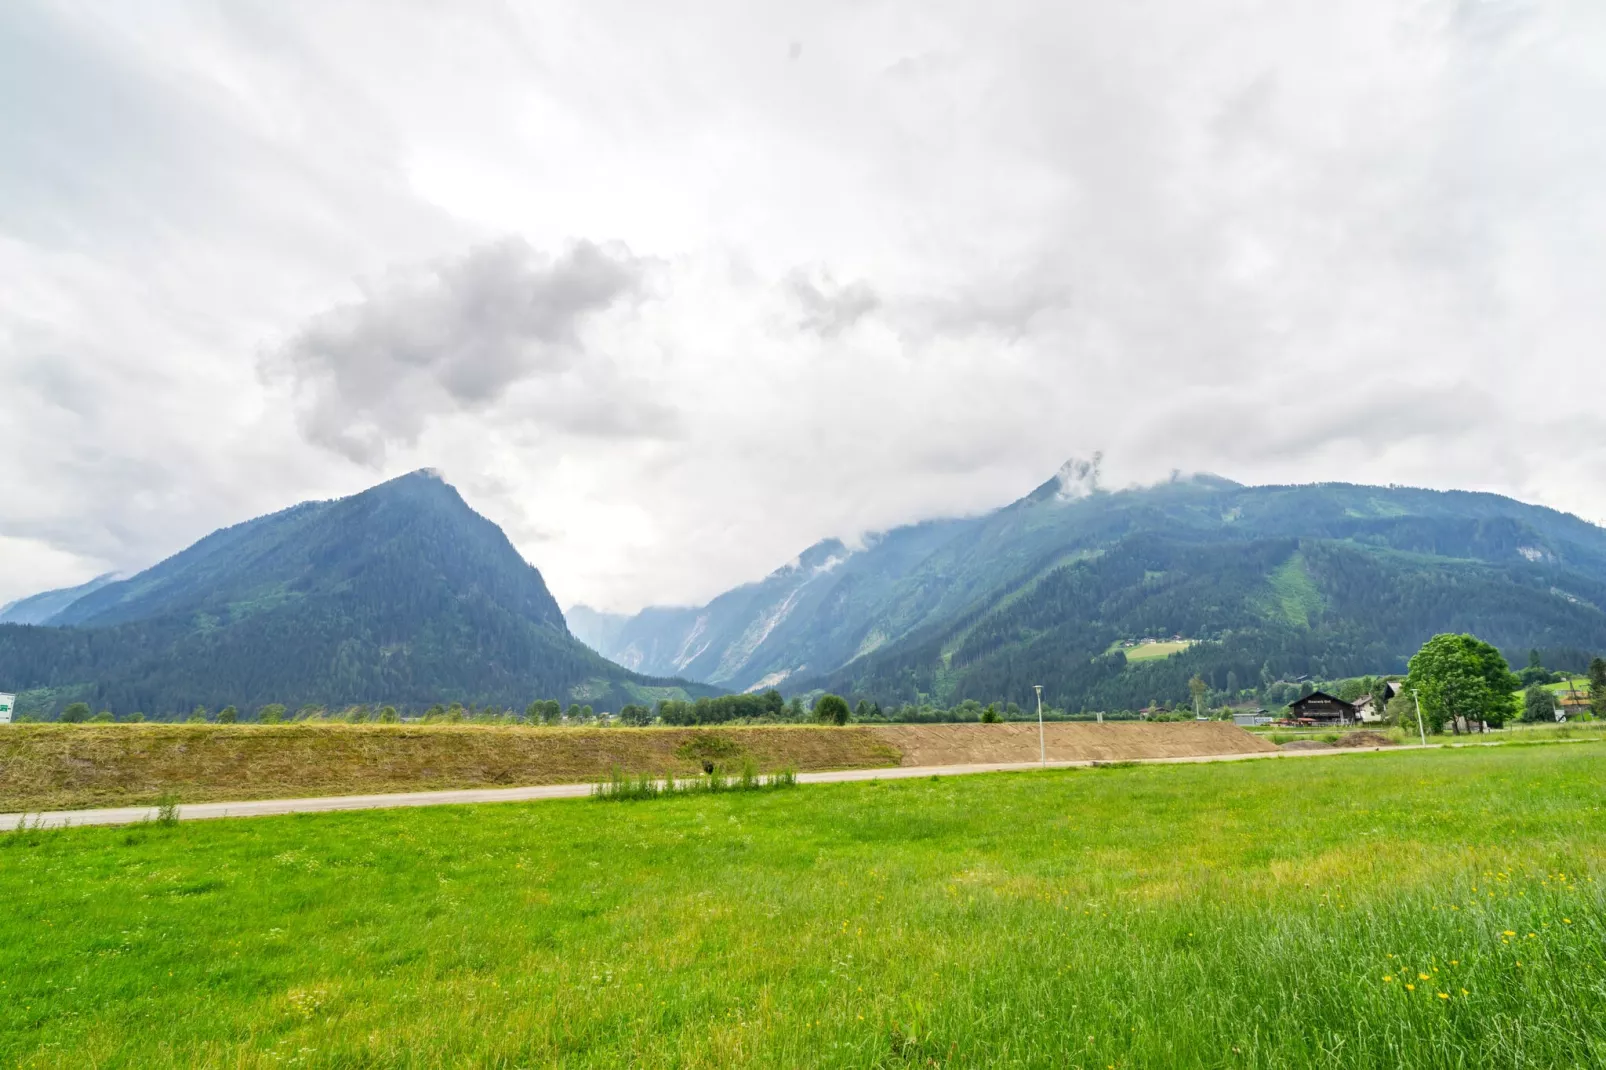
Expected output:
(1410, 988)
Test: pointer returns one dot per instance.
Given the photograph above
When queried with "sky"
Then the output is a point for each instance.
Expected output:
(672, 291)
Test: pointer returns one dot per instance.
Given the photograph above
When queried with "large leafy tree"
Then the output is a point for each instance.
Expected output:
(1461, 675)
(1597, 686)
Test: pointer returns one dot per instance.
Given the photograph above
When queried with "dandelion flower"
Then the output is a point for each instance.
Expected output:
(1423, 977)
(1508, 932)
(1410, 988)
(1388, 978)
(1444, 995)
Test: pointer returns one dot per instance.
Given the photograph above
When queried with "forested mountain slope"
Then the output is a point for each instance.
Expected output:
(1318, 579)
(39, 608)
(401, 594)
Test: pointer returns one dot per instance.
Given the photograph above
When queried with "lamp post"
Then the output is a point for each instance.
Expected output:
(1042, 747)
(1424, 732)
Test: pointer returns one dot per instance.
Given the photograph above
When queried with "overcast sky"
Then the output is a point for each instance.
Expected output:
(673, 290)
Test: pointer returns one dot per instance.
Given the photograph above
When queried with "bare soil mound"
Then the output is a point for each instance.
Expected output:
(1364, 738)
(1307, 744)
(59, 767)
(981, 744)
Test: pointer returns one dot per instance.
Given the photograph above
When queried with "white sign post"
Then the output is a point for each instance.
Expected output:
(6, 703)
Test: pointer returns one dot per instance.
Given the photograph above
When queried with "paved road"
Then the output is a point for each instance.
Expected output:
(129, 815)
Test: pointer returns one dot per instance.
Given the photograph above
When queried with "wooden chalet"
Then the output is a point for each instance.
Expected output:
(1322, 708)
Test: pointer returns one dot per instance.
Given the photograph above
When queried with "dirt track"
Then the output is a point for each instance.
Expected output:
(961, 744)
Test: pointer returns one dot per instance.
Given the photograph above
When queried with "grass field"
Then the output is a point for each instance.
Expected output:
(1146, 651)
(1440, 908)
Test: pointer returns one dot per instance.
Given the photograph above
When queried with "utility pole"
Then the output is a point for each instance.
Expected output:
(1415, 695)
(1042, 746)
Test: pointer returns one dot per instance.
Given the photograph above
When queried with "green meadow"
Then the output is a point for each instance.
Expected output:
(1442, 908)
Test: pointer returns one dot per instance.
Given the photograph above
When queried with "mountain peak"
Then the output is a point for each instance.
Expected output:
(1076, 479)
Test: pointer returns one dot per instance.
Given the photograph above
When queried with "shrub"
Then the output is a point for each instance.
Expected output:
(388, 715)
(1538, 705)
(75, 713)
(831, 709)
(272, 713)
(103, 717)
(228, 715)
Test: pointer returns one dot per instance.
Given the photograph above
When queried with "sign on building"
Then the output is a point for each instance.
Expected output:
(6, 702)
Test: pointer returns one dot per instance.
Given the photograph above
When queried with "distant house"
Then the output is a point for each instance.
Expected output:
(1368, 709)
(1322, 708)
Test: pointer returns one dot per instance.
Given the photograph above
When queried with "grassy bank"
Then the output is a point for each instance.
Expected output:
(52, 767)
(1439, 908)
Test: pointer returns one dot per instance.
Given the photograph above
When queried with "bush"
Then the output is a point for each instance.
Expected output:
(228, 715)
(635, 716)
(272, 713)
(388, 715)
(990, 715)
(103, 717)
(197, 716)
(831, 709)
(1538, 705)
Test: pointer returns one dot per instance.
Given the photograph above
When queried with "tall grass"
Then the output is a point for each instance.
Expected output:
(621, 787)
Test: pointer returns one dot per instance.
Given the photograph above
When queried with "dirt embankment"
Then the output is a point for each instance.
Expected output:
(963, 744)
(59, 767)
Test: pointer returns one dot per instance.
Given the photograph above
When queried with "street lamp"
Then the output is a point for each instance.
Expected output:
(1415, 695)
(1042, 747)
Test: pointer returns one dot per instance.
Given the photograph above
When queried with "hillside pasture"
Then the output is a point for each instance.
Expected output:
(1150, 651)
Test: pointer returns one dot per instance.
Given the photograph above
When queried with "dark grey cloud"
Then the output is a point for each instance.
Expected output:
(457, 336)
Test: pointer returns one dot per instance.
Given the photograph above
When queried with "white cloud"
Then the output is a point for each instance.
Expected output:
(904, 268)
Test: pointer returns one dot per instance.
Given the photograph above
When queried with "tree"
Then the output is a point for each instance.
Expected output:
(1597, 686)
(75, 713)
(862, 711)
(795, 712)
(197, 715)
(388, 715)
(1461, 675)
(1538, 705)
(831, 709)
(228, 715)
(272, 713)
(103, 717)
(634, 715)
(1198, 688)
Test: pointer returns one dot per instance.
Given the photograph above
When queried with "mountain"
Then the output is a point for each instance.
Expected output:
(1277, 581)
(400, 594)
(39, 608)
